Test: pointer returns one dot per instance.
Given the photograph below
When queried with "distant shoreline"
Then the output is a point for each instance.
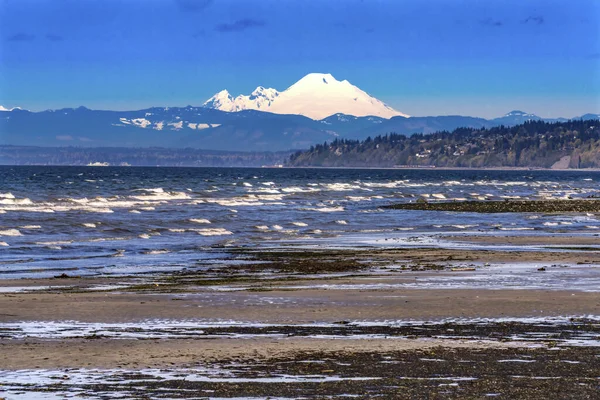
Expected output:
(532, 169)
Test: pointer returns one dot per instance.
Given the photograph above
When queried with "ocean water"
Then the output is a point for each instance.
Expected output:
(126, 220)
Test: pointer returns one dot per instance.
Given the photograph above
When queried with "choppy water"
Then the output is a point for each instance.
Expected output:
(123, 220)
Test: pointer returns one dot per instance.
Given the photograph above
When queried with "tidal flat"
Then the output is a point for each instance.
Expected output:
(273, 323)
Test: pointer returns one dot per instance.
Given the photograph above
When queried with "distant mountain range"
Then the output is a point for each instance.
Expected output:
(316, 109)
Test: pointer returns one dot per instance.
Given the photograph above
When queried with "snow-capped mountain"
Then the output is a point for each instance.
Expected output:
(516, 117)
(316, 96)
(260, 99)
(523, 114)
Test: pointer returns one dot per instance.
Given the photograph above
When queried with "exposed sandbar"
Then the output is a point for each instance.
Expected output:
(512, 206)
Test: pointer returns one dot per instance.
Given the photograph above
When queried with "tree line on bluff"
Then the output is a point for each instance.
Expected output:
(535, 144)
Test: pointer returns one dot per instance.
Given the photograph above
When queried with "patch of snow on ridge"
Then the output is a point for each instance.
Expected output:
(176, 125)
(139, 122)
(315, 96)
(2, 108)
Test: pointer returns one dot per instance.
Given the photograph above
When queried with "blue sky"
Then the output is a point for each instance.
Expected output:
(481, 58)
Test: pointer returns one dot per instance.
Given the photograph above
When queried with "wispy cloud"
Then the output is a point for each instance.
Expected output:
(240, 25)
(492, 22)
(21, 37)
(54, 38)
(534, 19)
(192, 5)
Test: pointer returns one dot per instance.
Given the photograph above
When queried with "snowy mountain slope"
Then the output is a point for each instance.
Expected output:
(2, 108)
(316, 96)
(260, 99)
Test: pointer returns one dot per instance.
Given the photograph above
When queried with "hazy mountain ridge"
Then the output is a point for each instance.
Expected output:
(200, 127)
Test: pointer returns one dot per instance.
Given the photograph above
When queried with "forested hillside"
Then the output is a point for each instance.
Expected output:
(571, 144)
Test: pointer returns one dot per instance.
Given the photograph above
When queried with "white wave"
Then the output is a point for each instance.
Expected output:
(340, 187)
(438, 196)
(389, 185)
(176, 230)
(152, 190)
(147, 208)
(235, 202)
(214, 232)
(13, 201)
(358, 198)
(89, 225)
(268, 183)
(297, 189)
(163, 196)
(7, 195)
(270, 197)
(144, 236)
(463, 226)
(10, 232)
(262, 227)
(31, 227)
(277, 227)
(156, 252)
(550, 224)
(200, 220)
(4, 244)
(341, 222)
(326, 209)
(247, 184)
(83, 200)
(266, 190)
(55, 243)
(299, 224)
(135, 211)
(517, 229)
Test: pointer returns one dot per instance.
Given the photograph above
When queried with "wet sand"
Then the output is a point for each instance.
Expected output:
(135, 354)
(320, 314)
(566, 240)
(298, 306)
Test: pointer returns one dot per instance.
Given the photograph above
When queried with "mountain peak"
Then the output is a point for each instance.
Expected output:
(316, 95)
(516, 113)
(316, 77)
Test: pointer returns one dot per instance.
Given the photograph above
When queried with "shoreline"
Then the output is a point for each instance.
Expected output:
(321, 323)
(532, 169)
